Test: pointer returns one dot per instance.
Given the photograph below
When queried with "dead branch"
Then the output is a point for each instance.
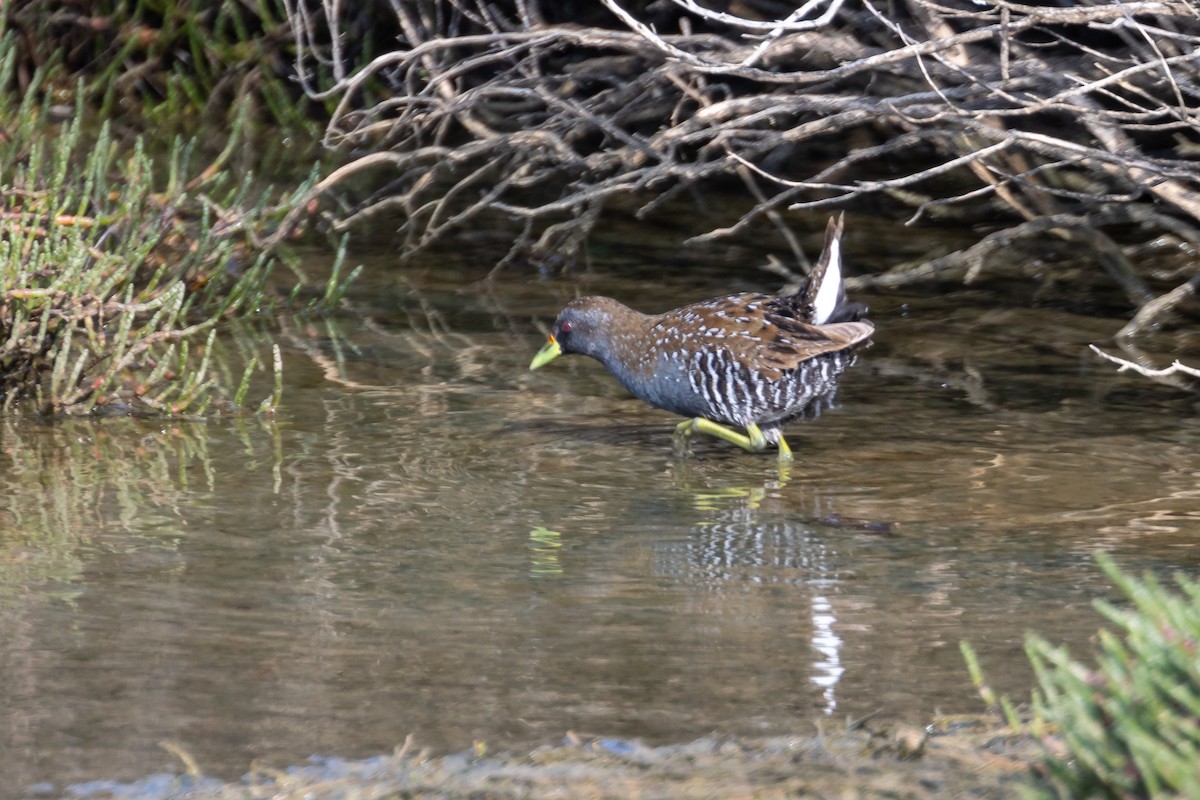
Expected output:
(1034, 121)
(1154, 310)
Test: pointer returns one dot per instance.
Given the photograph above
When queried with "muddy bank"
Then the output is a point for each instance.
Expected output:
(875, 760)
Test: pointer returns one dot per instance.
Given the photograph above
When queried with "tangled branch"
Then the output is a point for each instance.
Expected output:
(988, 112)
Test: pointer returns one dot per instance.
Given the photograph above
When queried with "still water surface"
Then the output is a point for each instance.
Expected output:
(431, 540)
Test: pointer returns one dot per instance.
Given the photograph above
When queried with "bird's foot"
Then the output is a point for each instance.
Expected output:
(753, 440)
(683, 437)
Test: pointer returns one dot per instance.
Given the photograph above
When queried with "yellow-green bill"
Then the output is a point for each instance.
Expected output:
(551, 351)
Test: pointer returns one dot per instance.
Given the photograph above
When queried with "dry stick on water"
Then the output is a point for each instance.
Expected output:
(1176, 374)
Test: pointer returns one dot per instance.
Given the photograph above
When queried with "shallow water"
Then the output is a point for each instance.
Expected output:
(431, 540)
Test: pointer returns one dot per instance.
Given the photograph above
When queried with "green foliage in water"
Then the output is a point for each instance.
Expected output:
(1130, 725)
(69, 486)
(116, 267)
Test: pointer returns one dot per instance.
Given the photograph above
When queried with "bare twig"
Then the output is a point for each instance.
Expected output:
(1175, 368)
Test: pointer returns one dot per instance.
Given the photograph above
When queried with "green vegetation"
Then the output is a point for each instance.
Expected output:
(121, 254)
(1130, 726)
(113, 275)
(169, 63)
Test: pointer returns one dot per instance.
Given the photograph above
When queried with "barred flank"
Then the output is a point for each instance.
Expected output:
(734, 394)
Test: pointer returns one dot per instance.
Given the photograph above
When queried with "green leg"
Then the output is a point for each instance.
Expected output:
(752, 440)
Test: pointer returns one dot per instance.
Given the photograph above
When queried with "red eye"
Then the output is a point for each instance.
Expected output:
(565, 326)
